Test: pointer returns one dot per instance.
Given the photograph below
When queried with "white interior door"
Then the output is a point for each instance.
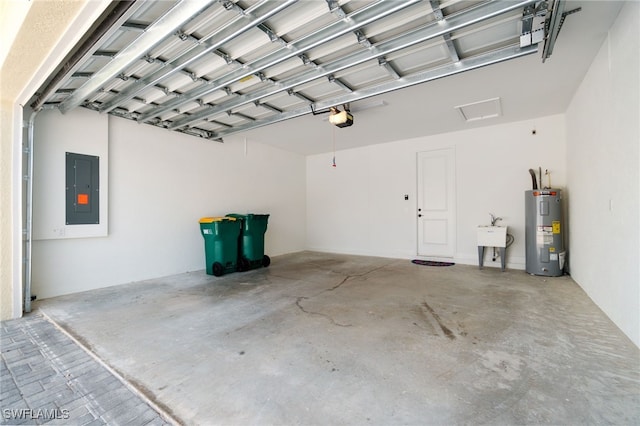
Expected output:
(436, 203)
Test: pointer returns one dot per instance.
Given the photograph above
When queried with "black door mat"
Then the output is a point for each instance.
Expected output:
(431, 263)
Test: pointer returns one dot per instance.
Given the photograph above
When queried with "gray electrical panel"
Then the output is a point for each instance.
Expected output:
(544, 241)
(82, 189)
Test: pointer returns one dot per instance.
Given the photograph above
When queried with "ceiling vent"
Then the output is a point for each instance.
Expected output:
(481, 110)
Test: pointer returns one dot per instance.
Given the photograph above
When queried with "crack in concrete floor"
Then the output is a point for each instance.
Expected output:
(335, 287)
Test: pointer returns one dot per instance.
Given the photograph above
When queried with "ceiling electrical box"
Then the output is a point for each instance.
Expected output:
(82, 189)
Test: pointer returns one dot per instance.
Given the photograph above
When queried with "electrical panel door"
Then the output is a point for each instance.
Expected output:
(82, 189)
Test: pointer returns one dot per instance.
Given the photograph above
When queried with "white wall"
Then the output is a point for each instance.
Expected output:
(160, 184)
(359, 207)
(81, 132)
(603, 138)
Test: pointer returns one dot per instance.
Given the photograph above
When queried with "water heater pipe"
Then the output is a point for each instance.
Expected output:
(540, 177)
(533, 179)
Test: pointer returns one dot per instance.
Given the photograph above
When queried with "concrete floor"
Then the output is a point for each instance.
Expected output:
(334, 339)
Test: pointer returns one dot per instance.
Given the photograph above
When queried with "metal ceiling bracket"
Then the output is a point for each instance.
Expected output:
(437, 13)
(334, 7)
(81, 75)
(305, 59)
(567, 13)
(269, 32)
(244, 116)
(105, 53)
(343, 86)
(382, 61)
(362, 39)
(134, 26)
(533, 24)
(269, 107)
(453, 52)
(300, 96)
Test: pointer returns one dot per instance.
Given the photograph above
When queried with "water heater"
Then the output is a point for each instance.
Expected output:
(544, 241)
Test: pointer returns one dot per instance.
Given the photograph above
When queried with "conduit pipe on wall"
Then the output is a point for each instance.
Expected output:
(29, 213)
(28, 232)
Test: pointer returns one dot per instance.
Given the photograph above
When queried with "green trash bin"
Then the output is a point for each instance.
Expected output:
(251, 241)
(220, 244)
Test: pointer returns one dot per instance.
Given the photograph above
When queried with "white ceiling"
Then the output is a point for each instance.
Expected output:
(527, 88)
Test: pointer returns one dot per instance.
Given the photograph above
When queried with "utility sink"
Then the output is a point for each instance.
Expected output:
(492, 236)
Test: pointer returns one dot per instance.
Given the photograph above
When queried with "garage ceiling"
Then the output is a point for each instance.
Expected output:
(213, 69)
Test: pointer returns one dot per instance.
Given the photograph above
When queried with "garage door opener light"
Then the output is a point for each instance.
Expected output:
(340, 118)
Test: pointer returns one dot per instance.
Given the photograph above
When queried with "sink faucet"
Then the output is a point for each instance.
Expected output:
(494, 219)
